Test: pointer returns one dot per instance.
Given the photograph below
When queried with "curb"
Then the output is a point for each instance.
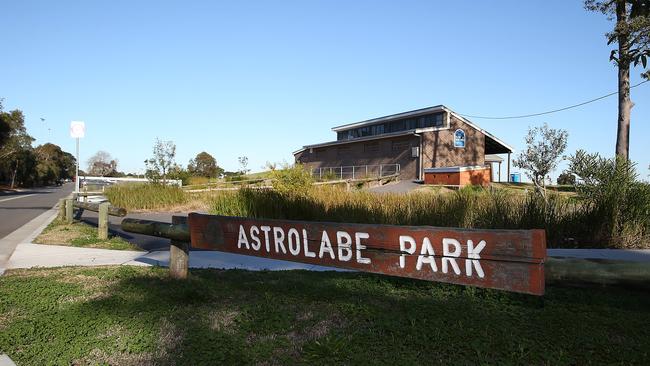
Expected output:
(19, 235)
(6, 361)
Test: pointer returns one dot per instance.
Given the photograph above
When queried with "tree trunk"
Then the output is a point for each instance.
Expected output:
(624, 102)
(13, 176)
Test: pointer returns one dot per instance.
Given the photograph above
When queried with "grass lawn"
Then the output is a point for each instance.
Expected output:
(80, 234)
(131, 315)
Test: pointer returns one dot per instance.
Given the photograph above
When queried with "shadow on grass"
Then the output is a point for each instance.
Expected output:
(240, 317)
(129, 315)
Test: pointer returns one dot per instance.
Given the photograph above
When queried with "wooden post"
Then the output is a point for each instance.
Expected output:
(102, 221)
(62, 209)
(68, 210)
(179, 253)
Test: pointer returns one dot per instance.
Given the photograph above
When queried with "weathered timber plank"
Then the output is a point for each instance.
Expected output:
(511, 260)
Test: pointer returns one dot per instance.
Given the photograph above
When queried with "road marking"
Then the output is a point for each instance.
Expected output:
(15, 198)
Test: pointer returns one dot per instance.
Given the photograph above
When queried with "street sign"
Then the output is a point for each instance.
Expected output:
(511, 260)
(77, 129)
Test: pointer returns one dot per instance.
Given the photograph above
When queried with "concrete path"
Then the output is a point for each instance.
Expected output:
(38, 255)
(6, 361)
(632, 255)
(404, 186)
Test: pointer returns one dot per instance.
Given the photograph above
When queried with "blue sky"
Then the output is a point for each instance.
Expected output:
(262, 78)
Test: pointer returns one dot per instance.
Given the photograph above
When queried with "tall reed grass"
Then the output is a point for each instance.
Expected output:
(568, 222)
(145, 196)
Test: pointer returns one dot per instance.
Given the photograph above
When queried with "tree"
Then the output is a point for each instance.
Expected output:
(545, 147)
(632, 34)
(53, 164)
(566, 178)
(159, 165)
(102, 164)
(5, 128)
(16, 151)
(204, 165)
(243, 165)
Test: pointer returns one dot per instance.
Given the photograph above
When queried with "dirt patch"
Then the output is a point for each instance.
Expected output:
(223, 320)
(59, 234)
(169, 339)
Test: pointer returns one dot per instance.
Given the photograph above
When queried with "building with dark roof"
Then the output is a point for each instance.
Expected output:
(434, 145)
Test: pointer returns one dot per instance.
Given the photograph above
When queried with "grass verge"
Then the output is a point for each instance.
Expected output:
(80, 234)
(129, 315)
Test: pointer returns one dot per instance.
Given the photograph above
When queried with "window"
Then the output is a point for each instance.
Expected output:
(397, 126)
(431, 120)
(459, 138)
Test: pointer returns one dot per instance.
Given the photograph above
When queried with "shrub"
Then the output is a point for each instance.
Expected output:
(566, 178)
(292, 179)
(618, 204)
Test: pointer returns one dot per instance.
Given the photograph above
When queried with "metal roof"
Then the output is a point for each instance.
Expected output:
(493, 145)
(417, 112)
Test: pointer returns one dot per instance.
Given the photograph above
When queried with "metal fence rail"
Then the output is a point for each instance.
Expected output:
(355, 171)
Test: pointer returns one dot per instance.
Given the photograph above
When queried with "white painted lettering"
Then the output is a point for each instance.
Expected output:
(446, 252)
(255, 235)
(344, 245)
(473, 255)
(305, 242)
(326, 246)
(266, 230)
(426, 256)
(242, 238)
(278, 239)
(403, 240)
(294, 246)
(357, 240)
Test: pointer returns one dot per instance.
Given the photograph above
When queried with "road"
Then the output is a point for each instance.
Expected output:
(19, 208)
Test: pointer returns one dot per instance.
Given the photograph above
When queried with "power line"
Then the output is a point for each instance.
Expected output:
(555, 110)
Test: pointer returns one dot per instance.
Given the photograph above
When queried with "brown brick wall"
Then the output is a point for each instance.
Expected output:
(439, 150)
(476, 177)
(395, 150)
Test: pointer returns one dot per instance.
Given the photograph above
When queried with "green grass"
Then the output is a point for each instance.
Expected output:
(145, 196)
(80, 234)
(131, 315)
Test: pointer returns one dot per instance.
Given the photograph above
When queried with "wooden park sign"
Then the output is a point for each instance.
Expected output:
(511, 260)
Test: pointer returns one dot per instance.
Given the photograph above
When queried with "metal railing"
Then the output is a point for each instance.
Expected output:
(355, 171)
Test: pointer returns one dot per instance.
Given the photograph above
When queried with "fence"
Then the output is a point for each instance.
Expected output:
(67, 206)
(355, 171)
(105, 181)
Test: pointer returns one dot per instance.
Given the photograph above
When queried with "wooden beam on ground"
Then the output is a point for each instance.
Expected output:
(112, 210)
(177, 232)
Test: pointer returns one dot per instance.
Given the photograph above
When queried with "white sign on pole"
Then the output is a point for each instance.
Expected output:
(77, 129)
